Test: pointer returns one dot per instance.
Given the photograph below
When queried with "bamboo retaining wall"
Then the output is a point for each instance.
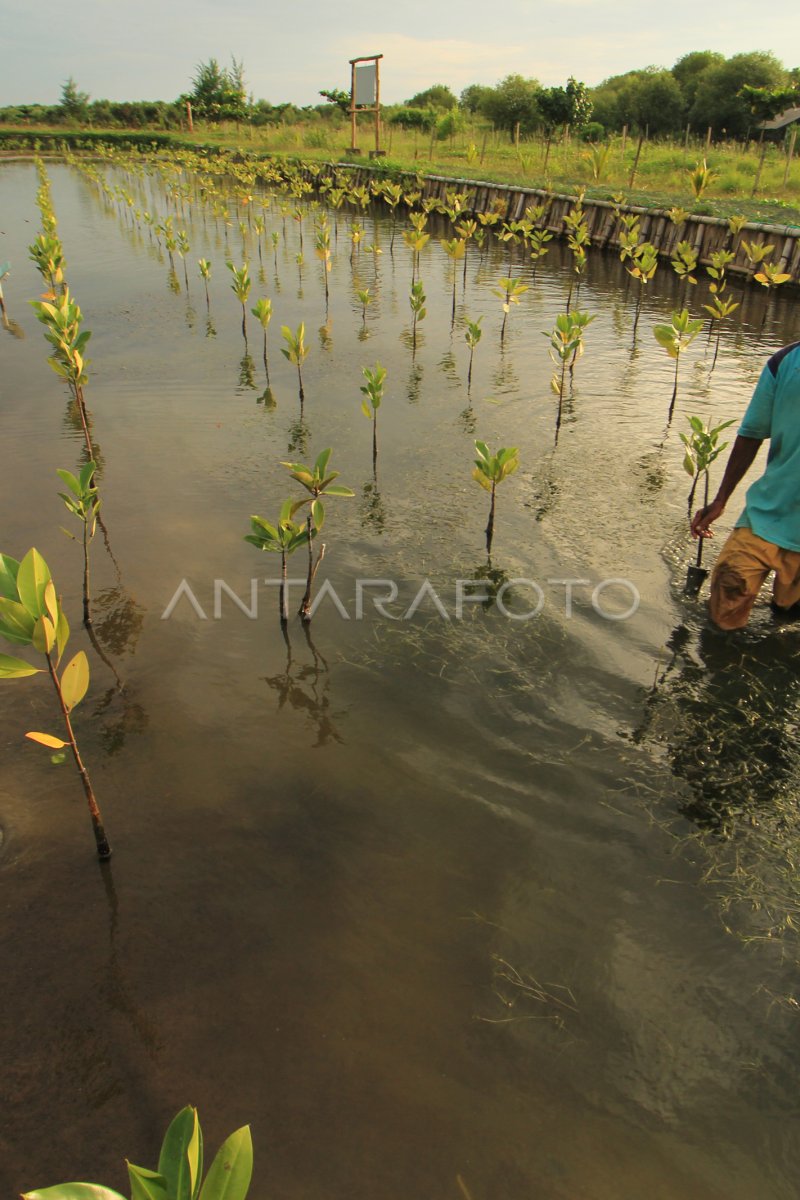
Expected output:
(706, 234)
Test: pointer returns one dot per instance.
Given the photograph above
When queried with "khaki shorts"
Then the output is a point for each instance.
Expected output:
(742, 566)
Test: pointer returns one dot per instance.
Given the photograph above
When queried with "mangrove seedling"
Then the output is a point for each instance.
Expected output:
(701, 448)
(364, 298)
(240, 287)
(417, 301)
(509, 291)
(675, 338)
(205, 275)
(566, 345)
(454, 249)
(322, 250)
(296, 351)
(316, 482)
(537, 243)
(490, 470)
(684, 264)
(416, 241)
(180, 1169)
(720, 306)
(263, 314)
(83, 501)
(284, 538)
(472, 336)
(183, 249)
(700, 177)
(644, 257)
(372, 391)
(31, 615)
(62, 319)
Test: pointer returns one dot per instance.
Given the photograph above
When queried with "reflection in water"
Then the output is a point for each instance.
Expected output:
(727, 713)
(119, 992)
(493, 579)
(414, 384)
(299, 434)
(467, 418)
(173, 283)
(118, 620)
(211, 329)
(267, 398)
(373, 507)
(305, 687)
(247, 373)
(546, 490)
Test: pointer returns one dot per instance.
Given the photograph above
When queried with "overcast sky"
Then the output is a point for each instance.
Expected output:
(149, 49)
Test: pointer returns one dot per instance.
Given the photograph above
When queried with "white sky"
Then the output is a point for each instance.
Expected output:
(149, 49)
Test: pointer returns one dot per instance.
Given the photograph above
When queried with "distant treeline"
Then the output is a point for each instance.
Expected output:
(703, 90)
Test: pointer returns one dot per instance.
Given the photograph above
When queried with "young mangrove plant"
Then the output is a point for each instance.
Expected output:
(700, 177)
(701, 448)
(183, 249)
(296, 351)
(566, 345)
(675, 338)
(62, 319)
(180, 1170)
(205, 275)
(509, 291)
(322, 249)
(537, 244)
(31, 615)
(454, 249)
(240, 287)
(263, 314)
(317, 483)
(472, 335)
(417, 301)
(490, 470)
(83, 501)
(684, 264)
(283, 538)
(721, 306)
(644, 259)
(364, 298)
(372, 392)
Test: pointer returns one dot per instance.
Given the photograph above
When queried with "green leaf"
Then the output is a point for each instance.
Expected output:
(32, 580)
(146, 1185)
(15, 668)
(51, 602)
(74, 1191)
(70, 480)
(232, 1168)
(322, 461)
(75, 680)
(62, 634)
(365, 408)
(16, 623)
(173, 1161)
(317, 514)
(8, 576)
(338, 490)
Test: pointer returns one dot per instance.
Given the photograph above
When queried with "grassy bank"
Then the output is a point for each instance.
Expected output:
(655, 174)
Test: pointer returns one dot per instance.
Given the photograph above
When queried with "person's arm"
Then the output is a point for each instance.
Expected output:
(739, 462)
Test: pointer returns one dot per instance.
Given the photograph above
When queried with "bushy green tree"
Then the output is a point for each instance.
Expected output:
(689, 71)
(74, 103)
(219, 93)
(514, 100)
(438, 95)
(718, 102)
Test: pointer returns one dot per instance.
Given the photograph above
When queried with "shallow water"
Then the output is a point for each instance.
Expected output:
(415, 898)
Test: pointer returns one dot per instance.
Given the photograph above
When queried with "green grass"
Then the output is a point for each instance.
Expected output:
(661, 179)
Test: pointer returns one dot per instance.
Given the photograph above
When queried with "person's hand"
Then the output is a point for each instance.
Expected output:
(704, 517)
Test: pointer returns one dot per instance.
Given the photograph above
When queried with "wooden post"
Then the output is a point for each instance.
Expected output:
(757, 179)
(790, 155)
(636, 160)
(353, 146)
(708, 139)
(624, 141)
(516, 135)
(483, 146)
(686, 139)
(189, 116)
(377, 109)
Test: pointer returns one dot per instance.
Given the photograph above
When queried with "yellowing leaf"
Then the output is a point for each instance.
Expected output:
(75, 680)
(47, 739)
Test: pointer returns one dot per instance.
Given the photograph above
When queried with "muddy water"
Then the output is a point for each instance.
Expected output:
(423, 897)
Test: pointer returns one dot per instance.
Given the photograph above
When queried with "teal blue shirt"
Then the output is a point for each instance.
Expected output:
(772, 505)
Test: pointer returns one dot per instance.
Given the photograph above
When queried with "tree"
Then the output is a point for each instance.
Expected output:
(338, 97)
(437, 96)
(473, 97)
(718, 103)
(565, 106)
(689, 71)
(514, 100)
(73, 102)
(219, 93)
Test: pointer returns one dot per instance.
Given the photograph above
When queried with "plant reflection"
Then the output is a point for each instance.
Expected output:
(305, 687)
